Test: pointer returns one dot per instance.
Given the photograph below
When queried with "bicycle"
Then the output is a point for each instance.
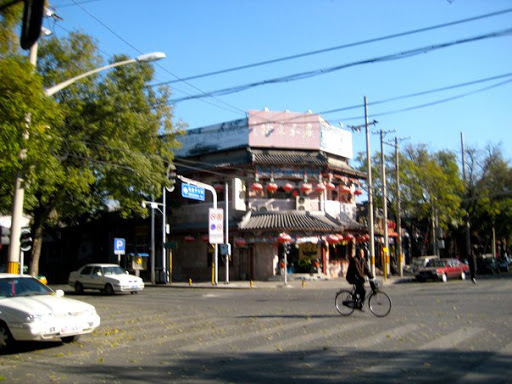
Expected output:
(379, 302)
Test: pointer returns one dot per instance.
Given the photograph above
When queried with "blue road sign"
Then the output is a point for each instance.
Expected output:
(119, 246)
(190, 191)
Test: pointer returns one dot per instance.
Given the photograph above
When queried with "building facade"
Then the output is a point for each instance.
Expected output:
(272, 173)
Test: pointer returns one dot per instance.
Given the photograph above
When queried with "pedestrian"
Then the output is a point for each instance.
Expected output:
(357, 271)
(472, 265)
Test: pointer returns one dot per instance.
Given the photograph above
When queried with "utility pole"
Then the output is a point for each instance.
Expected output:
(370, 189)
(384, 204)
(398, 210)
(19, 193)
(469, 255)
(371, 229)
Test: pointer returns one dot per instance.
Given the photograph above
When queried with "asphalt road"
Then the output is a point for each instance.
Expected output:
(455, 332)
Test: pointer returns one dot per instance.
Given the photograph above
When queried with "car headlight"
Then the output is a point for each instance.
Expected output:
(32, 318)
(90, 312)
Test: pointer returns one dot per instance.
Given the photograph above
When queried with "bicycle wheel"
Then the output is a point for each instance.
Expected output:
(379, 303)
(345, 302)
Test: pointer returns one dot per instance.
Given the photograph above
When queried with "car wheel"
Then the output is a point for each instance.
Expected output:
(444, 278)
(109, 290)
(79, 288)
(463, 276)
(70, 339)
(5, 337)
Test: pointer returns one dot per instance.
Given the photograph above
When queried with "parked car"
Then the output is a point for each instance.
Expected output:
(442, 269)
(108, 278)
(420, 262)
(487, 265)
(504, 263)
(31, 311)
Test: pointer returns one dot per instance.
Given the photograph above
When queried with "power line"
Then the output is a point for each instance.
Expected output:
(337, 47)
(322, 71)
(233, 108)
(441, 101)
(420, 93)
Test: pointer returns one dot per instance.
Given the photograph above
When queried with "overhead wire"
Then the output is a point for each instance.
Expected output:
(233, 108)
(441, 101)
(299, 76)
(338, 47)
(322, 71)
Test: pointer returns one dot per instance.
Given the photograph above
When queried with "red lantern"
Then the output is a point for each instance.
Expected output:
(306, 187)
(348, 237)
(330, 186)
(284, 238)
(240, 242)
(272, 187)
(205, 238)
(345, 190)
(189, 238)
(256, 187)
(358, 192)
(332, 239)
(320, 187)
(288, 187)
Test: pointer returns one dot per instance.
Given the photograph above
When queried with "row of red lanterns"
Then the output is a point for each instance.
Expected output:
(305, 187)
(286, 238)
(334, 239)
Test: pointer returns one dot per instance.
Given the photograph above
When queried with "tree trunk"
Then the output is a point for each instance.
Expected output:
(40, 217)
(36, 250)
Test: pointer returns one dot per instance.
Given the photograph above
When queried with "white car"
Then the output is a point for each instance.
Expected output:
(108, 278)
(31, 311)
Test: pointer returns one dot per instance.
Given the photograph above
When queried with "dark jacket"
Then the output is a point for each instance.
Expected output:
(357, 270)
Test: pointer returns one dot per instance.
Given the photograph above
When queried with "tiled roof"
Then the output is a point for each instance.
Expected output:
(289, 158)
(295, 221)
(304, 159)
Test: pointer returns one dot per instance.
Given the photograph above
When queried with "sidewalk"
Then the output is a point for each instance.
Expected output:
(295, 282)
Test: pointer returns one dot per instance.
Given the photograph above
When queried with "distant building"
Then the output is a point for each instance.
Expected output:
(284, 172)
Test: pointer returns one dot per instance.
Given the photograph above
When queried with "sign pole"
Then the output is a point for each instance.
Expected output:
(214, 195)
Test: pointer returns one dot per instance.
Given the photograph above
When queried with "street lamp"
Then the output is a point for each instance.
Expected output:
(18, 197)
(139, 59)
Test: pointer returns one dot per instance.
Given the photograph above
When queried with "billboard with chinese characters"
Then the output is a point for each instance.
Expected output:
(269, 129)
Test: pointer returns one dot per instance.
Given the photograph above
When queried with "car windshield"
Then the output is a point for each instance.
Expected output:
(436, 263)
(22, 286)
(113, 271)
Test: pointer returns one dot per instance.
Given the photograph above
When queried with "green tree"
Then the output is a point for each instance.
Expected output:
(430, 187)
(94, 145)
(490, 201)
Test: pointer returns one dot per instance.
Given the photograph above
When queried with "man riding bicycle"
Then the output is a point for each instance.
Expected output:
(356, 273)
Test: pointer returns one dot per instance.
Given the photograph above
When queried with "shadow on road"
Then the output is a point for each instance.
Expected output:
(312, 366)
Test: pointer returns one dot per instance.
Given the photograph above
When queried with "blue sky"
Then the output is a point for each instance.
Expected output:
(200, 36)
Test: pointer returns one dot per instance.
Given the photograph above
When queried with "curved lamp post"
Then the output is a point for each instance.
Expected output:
(17, 203)
(139, 59)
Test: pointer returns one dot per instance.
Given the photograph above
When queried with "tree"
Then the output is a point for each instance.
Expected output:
(430, 187)
(491, 198)
(106, 147)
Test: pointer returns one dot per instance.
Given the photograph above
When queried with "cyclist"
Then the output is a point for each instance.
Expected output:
(356, 273)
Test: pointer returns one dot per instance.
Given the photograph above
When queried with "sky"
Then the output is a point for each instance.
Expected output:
(424, 83)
